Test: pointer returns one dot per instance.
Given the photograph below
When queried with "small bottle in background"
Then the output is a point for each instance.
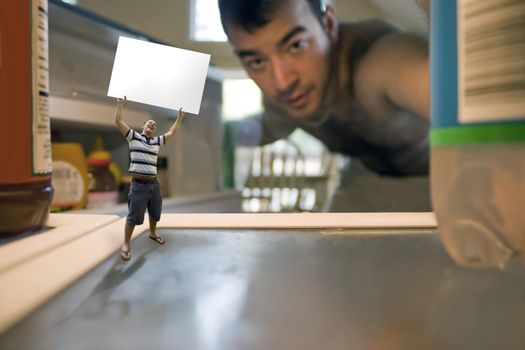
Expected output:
(103, 190)
(99, 151)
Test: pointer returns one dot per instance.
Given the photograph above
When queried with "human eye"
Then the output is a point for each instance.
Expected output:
(254, 63)
(298, 46)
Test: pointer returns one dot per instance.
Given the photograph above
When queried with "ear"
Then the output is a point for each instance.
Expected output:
(330, 23)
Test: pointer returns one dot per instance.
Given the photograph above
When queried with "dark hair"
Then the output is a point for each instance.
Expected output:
(253, 14)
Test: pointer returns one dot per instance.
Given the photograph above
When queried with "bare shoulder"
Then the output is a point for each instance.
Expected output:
(393, 50)
(398, 46)
(361, 35)
(355, 40)
(393, 67)
(367, 28)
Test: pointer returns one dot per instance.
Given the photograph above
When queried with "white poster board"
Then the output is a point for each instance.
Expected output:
(159, 75)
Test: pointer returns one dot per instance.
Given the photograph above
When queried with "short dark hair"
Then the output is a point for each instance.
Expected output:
(253, 14)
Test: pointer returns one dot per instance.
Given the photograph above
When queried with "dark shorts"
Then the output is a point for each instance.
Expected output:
(142, 196)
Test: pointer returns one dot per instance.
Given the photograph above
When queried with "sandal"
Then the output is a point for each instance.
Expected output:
(125, 254)
(157, 239)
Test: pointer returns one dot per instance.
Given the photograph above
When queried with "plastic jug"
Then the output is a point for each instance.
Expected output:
(478, 128)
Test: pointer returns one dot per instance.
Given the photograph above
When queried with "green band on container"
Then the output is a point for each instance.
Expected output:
(478, 134)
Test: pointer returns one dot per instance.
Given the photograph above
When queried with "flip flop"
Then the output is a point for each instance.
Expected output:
(157, 239)
(125, 254)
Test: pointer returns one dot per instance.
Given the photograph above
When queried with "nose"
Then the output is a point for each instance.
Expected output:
(284, 75)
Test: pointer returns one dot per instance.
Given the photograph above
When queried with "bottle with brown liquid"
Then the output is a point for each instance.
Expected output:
(102, 186)
(25, 144)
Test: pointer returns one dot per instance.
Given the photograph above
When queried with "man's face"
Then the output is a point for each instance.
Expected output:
(149, 128)
(287, 58)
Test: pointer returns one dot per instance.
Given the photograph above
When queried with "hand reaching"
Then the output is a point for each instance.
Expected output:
(181, 113)
(120, 101)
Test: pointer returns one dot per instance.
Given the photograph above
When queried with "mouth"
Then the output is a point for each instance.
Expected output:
(298, 101)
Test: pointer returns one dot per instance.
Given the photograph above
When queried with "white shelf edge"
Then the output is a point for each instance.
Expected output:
(86, 112)
(301, 220)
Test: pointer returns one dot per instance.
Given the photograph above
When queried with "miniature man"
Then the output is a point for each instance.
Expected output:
(144, 191)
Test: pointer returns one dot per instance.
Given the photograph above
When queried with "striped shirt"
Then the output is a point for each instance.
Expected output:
(143, 151)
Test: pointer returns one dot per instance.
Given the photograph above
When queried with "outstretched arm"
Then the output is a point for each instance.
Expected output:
(123, 127)
(175, 127)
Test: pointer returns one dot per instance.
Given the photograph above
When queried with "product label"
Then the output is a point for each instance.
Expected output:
(68, 184)
(42, 160)
(491, 60)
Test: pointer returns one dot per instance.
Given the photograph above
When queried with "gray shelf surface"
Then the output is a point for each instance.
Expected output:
(283, 289)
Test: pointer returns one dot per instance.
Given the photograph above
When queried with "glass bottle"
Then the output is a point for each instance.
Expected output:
(102, 186)
(25, 183)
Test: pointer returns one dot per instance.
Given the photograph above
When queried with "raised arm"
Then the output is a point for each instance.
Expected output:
(175, 127)
(123, 127)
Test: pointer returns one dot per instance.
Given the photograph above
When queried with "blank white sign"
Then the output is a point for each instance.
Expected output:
(159, 75)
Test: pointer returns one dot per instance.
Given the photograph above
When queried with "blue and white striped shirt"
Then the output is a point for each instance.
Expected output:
(143, 152)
